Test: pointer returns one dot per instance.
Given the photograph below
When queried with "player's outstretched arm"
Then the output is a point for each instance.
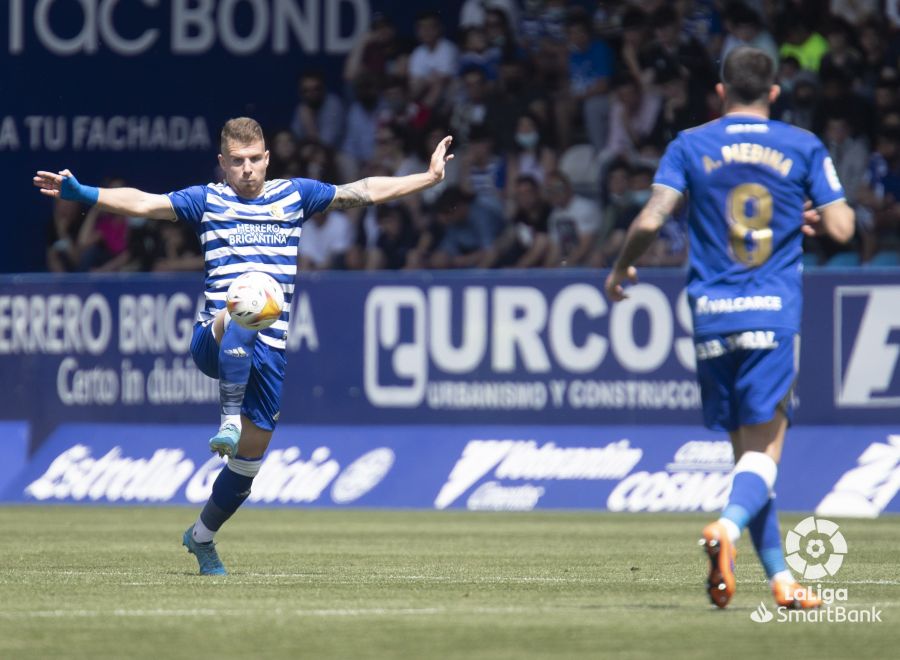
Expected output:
(380, 189)
(641, 234)
(124, 201)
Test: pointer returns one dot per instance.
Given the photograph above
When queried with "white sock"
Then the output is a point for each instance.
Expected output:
(234, 420)
(782, 576)
(734, 532)
(201, 533)
(760, 464)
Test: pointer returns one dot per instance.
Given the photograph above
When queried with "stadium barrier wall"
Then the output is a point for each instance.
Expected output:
(430, 367)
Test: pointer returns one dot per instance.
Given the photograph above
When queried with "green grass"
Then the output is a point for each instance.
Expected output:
(115, 583)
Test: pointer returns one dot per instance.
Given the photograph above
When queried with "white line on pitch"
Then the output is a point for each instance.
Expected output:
(216, 612)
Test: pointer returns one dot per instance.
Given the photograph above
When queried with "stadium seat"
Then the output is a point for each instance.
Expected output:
(581, 166)
(884, 258)
(843, 260)
(810, 260)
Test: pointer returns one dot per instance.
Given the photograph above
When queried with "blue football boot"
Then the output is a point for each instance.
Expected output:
(225, 442)
(206, 554)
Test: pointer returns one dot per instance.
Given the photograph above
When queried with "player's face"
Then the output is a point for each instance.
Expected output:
(245, 167)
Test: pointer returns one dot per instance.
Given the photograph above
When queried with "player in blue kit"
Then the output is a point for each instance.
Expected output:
(746, 179)
(245, 224)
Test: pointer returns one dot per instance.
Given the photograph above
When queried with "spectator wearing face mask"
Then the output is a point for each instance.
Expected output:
(670, 247)
(623, 195)
(531, 156)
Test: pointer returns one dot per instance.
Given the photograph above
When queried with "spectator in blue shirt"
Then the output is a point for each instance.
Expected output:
(470, 227)
(590, 69)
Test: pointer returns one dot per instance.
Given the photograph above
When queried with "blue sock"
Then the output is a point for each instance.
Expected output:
(753, 480)
(228, 493)
(766, 534)
(235, 359)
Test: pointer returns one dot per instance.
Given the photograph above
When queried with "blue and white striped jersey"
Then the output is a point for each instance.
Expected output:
(240, 235)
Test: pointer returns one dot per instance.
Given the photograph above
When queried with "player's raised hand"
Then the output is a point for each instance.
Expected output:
(440, 158)
(812, 220)
(615, 282)
(65, 185)
(50, 184)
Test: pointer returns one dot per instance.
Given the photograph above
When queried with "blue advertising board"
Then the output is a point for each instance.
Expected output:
(835, 471)
(475, 389)
(430, 348)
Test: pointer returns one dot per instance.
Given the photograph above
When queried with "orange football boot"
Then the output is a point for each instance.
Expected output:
(720, 584)
(794, 596)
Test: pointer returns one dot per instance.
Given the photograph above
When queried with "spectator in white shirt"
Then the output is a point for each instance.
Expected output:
(433, 63)
(325, 240)
(573, 223)
(320, 114)
(632, 118)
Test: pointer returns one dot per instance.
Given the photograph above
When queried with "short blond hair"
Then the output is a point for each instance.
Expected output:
(241, 130)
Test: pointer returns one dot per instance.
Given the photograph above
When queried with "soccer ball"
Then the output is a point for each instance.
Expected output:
(254, 300)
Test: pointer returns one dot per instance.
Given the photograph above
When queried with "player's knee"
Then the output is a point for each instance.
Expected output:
(221, 322)
(254, 440)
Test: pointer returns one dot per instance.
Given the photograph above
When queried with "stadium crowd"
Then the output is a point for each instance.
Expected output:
(560, 111)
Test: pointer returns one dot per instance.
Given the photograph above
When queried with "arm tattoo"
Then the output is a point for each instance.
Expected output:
(647, 225)
(639, 241)
(351, 195)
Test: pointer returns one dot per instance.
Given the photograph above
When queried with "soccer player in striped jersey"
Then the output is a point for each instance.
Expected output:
(747, 179)
(245, 224)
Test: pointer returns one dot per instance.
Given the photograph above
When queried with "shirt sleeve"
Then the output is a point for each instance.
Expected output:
(822, 183)
(672, 170)
(189, 205)
(316, 195)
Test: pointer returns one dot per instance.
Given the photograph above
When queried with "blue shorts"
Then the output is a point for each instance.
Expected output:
(746, 377)
(262, 400)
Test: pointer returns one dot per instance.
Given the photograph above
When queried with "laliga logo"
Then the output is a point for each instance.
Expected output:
(807, 548)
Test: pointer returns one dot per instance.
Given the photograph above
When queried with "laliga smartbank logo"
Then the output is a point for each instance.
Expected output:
(816, 549)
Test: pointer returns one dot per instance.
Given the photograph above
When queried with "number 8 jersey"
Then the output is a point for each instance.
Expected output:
(746, 180)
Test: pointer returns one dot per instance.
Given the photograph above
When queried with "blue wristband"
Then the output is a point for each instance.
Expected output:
(72, 190)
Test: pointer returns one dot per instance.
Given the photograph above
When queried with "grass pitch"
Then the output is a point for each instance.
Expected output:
(115, 583)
